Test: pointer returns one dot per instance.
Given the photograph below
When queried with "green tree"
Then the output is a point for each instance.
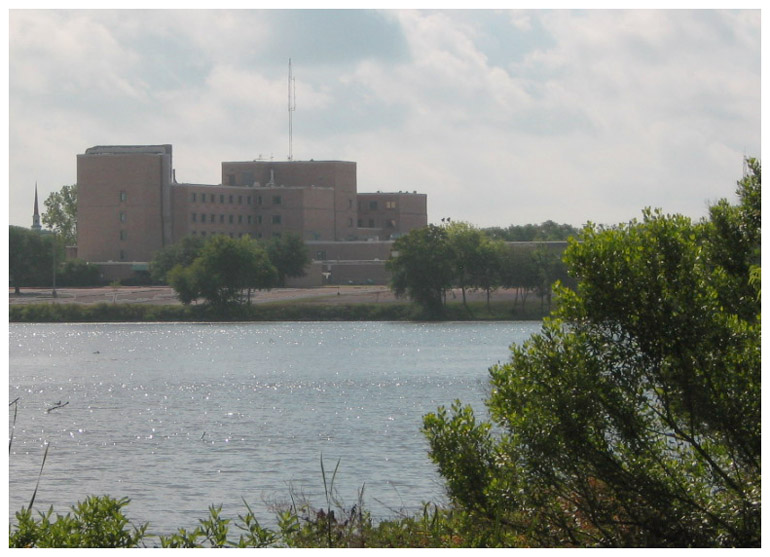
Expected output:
(289, 254)
(30, 257)
(224, 268)
(633, 418)
(181, 253)
(76, 272)
(61, 214)
(422, 268)
(465, 247)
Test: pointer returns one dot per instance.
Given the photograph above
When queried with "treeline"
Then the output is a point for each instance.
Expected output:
(219, 269)
(38, 259)
(548, 231)
(429, 261)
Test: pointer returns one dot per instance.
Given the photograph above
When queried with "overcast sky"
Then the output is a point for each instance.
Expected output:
(501, 117)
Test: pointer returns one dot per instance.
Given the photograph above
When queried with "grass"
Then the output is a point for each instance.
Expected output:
(278, 311)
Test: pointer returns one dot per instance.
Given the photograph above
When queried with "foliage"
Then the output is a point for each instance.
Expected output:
(61, 213)
(223, 269)
(431, 260)
(423, 268)
(289, 255)
(548, 231)
(30, 257)
(95, 522)
(633, 418)
(181, 253)
(76, 272)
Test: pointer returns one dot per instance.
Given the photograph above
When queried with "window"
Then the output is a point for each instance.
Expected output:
(248, 219)
(276, 200)
(390, 204)
(122, 196)
(320, 255)
(360, 223)
(194, 217)
(350, 222)
(213, 198)
(259, 219)
(230, 219)
(222, 198)
(221, 219)
(248, 200)
(240, 200)
(276, 219)
(240, 219)
(122, 234)
(122, 217)
(231, 179)
(213, 219)
(371, 223)
(372, 205)
(259, 200)
(231, 199)
(203, 217)
(391, 223)
(193, 195)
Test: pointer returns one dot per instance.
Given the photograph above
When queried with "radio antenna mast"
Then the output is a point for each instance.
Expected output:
(292, 108)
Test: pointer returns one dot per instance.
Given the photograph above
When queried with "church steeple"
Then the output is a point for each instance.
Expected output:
(36, 215)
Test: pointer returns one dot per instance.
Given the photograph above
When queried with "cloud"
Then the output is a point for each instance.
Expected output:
(500, 116)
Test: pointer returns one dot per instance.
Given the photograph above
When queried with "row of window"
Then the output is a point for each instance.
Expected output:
(374, 205)
(212, 218)
(196, 197)
(256, 235)
(390, 223)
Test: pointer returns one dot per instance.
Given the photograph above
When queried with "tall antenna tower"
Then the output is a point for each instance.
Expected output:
(292, 108)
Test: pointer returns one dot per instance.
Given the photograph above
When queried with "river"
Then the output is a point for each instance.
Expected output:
(178, 417)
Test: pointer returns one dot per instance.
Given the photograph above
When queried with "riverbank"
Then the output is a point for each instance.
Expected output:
(337, 303)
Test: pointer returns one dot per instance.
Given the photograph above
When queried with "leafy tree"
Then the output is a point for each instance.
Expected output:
(465, 246)
(61, 213)
(76, 272)
(224, 268)
(633, 418)
(30, 257)
(422, 267)
(181, 253)
(548, 231)
(289, 254)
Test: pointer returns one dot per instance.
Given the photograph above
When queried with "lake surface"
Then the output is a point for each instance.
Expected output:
(181, 416)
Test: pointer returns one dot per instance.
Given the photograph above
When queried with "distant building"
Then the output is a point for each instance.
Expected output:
(36, 215)
(130, 206)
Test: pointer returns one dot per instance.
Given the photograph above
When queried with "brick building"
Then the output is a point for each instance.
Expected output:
(130, 206)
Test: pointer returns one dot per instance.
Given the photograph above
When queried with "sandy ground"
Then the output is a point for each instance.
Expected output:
(165, 295)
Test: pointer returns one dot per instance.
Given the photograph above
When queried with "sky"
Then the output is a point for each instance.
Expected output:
(500, 117)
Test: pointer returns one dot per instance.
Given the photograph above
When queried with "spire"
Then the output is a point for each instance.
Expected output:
(36, 215)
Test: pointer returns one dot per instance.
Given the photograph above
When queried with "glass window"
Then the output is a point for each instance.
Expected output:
(122, 195)
(276, 219)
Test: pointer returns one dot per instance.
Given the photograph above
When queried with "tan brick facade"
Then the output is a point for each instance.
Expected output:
(130, 206)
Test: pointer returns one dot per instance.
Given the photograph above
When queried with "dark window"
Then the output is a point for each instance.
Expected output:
(221, 198)
(240, 219)
(122, 234)
(221, 219)
(122, 217)
(371, 223)
(372, 205)
(203, 217)
(231, 179)
(276, 200)
(230, 199)
(248, 219)
(194, 217)
(122, 195)
(230, 219)
(276, 219)
(240, 200)
(192, 197)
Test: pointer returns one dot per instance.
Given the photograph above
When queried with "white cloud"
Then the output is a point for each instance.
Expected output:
(501, 117)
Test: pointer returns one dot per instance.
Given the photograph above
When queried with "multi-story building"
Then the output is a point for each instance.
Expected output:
(130, 204)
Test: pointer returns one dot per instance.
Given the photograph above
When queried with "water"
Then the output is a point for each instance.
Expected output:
(181, 416)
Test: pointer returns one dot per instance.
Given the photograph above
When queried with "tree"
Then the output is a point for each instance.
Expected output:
(289, 254)
(61, 214)
(633, 418)
(30, 257)
(465, 246)
(224, 268)
(422, 267)
(181, 253)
